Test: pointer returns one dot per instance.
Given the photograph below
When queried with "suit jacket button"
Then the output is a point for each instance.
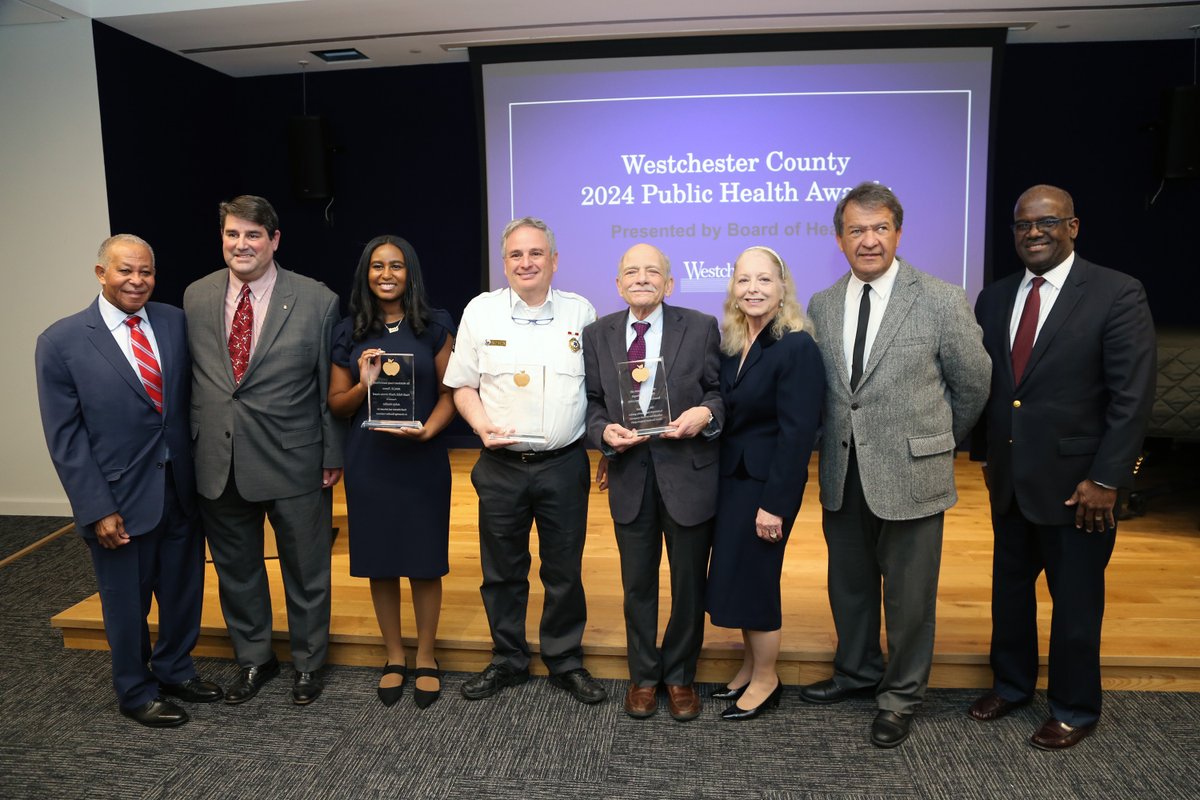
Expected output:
(845, 444)
(226, 434)
(159, 465)
(854, 406)
(1016, 403)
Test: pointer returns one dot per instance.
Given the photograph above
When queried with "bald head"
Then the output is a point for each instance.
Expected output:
(1061, 196)
(644, 278)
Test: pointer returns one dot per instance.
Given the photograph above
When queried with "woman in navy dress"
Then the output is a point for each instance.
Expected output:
(773, 385)
(397, 480)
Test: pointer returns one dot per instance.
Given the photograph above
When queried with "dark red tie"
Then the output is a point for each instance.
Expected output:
(147, 364)
(637, 348)
(240, 333)
(1026, 330)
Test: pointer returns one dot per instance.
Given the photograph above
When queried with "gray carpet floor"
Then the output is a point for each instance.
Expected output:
(61, 736)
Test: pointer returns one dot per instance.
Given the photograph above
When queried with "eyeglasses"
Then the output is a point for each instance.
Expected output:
(1045, 224)
(525, 320)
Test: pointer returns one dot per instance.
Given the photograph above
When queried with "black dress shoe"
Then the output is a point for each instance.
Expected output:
(493, 678)
(737, 713)
(1058, 735)
(158, 713)
(726, 693)
(580, 684)
(306, 688)
(889, 728)
(827, 692)
(193, 691)
(424, 698)
(250, 681)
(388, 695)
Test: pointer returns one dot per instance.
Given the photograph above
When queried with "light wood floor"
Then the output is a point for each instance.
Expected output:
(1151, 629)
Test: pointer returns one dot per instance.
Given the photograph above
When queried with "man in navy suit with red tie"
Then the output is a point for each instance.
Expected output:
(1073, 367)
(114, 387)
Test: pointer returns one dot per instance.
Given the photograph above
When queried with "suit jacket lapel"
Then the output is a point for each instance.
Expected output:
(102, 339)
(837, 320)
(904, 294)
(283, 300)
(673, 331)
(1003, 326)
(219, 287)
(163, 336)
(1068, 298)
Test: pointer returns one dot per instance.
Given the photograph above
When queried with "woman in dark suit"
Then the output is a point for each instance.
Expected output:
(397, 480)
(773, 385)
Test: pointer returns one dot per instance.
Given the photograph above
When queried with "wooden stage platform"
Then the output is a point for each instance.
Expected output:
(1151, 629)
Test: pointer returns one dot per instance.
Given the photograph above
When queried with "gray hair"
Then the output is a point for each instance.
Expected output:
(105, 251)
(527, 222)
(869, 195)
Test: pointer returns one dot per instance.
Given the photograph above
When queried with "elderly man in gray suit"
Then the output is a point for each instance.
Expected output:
(265, 443)
(660, 486)
(907, 379)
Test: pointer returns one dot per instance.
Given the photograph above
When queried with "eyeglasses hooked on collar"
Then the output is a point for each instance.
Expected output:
(526, 320)
(1045, 224)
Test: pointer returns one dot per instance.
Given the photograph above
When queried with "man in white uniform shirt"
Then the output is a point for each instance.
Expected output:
(517, 376)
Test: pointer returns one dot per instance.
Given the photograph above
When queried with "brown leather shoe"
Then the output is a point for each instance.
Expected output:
(683, 701)
(641, 701)
(1056, 735)
(992, 706)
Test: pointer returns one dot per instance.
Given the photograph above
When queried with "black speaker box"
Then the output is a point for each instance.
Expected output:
(308, 157)
(1182, 154)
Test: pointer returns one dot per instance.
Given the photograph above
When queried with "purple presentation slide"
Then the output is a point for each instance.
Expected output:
(705, 156)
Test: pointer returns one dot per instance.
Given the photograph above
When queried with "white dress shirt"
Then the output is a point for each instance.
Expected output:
(653, 338)
(1055, 278)
(881, 291)
(495, 344)
(114, 318)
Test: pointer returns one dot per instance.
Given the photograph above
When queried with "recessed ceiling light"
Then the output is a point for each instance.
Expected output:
(340, 54)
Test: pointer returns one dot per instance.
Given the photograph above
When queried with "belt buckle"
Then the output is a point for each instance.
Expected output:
(527, 456)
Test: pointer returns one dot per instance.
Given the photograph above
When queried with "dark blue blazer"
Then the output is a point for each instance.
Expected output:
(772, 413)
(1082, 406)
(108, 443)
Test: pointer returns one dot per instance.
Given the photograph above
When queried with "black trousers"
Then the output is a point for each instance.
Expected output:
(1074, 562)
(512, 496)
(640, 543)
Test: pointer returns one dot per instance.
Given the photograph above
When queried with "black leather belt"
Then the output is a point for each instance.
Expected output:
(533, 456)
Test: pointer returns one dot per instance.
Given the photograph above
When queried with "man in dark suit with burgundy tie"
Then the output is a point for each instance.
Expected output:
(663, 486)
(114, 387)
(1073, 367)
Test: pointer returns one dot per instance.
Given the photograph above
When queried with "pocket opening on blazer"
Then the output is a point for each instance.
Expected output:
(919, 446)
(301, 438)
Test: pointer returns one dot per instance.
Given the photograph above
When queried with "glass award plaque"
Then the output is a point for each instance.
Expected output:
(522, 410)
(645, 407)
(391, 392)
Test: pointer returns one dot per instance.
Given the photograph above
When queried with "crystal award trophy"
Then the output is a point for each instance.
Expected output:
(391, 392)
(645, 407)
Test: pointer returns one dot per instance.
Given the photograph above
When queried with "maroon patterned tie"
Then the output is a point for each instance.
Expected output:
(1026, 330)
(147, 364)
(637, 348)
(239, 334)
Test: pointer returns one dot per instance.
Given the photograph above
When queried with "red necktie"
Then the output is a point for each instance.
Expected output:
(240, 333)
(147, 364)
(637, 348)
(1026, 330)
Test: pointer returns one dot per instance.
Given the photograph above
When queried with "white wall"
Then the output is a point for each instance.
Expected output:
(53, 215)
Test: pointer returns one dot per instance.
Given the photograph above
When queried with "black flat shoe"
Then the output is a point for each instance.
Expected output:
(737, 713)
(388, 695)
(727, 693)
(422, 697)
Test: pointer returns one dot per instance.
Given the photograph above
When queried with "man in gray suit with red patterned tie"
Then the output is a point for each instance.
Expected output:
(266, 443)
(661, 486)
(114, 383)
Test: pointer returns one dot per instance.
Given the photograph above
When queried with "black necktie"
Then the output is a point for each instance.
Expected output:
(860, 337)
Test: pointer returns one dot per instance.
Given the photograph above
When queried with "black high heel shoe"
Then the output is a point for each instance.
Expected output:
(422, 697)
(736, 713)
(728, 693)
(388, 695)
